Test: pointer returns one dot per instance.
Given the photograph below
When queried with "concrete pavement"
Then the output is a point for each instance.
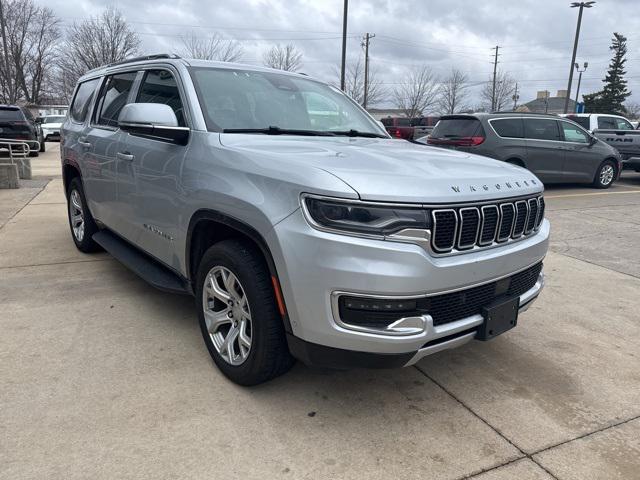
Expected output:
(102, 376)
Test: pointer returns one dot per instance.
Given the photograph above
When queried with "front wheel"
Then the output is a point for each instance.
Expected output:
(605, 175)
(240, 323)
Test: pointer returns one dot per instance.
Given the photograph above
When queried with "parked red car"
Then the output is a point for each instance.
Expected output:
(409, 128)
(399, 127)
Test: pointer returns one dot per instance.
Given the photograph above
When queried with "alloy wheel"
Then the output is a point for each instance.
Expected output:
(227, 315)
(76, 215)
(606, 174)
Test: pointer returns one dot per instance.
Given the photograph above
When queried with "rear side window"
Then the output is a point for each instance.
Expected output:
(457, 127)
(613, 123)
(159, 86)
(606, 123)
(82, 100)
(387, 122)
(403, 122)
(11, 115)
(582, 121)
(114, 96)
(509, 127)
(541, 129)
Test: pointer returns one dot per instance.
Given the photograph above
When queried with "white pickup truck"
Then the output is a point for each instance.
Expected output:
(615, 130)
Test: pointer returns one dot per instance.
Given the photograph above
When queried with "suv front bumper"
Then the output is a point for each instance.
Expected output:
(314, 265)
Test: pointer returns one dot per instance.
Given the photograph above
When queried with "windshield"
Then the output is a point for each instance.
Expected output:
(8, 113)
(54, 119)
(234, 100)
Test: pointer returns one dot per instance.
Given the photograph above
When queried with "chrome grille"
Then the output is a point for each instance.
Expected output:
(469, 224)
(490, 217)
(508, 215)
(465, 228)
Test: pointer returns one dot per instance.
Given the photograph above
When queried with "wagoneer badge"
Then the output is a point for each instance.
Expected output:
(496, 186)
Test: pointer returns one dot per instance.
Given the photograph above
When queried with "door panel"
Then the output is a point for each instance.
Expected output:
(545, 152)
(149, 175)
(581, 158)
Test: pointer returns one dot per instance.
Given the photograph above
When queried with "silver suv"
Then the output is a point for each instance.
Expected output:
(303, 230)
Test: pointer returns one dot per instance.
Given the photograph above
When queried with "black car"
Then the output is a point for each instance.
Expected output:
(18, 123)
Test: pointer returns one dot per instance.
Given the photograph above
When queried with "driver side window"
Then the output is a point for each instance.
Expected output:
(159, 86)
(573, 134)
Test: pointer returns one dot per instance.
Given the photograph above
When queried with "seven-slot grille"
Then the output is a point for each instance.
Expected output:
(468, 227)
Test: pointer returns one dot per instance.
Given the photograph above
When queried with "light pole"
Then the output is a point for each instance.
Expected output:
(581, 5)
(344, 43)
(586, 64)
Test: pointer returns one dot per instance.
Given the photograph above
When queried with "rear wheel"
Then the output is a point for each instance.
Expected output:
(80, 220)
(516, 161)
(605, 175)
(240, 323)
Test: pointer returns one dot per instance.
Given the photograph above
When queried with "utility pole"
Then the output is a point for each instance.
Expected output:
(365, 44)
(515, 98)
(586, 64)
(344, 43)
(495, 69)
(581, 5)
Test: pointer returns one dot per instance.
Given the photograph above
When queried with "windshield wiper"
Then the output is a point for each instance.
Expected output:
(271, 130)
(357, 133)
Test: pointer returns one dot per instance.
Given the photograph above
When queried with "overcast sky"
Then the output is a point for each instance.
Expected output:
(535, 36)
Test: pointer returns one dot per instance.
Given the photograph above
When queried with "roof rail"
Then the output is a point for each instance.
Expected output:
(156, 56)
(533, 114)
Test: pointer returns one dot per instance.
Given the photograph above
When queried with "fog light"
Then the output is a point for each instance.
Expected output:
(377, 305)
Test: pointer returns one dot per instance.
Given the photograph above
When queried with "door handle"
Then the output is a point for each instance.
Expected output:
(125, 156)
(83, 143)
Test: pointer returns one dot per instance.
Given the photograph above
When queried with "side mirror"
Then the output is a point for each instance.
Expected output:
(593, 140)
(152, 120)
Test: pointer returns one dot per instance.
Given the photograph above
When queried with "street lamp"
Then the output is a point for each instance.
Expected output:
(582, 6)
(586, 64)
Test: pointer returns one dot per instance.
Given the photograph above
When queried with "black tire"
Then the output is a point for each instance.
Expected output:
(85, 243)
(34, 154)
(605, 181)
(268, 356)
(517, 162)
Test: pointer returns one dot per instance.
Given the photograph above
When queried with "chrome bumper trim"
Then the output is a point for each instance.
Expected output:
(526, 300)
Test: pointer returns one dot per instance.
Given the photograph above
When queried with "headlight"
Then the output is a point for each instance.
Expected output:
(363, 218)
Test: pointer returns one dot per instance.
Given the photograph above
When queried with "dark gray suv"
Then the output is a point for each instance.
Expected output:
(555, 149)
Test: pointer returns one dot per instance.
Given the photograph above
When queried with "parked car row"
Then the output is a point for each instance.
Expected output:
(615, 130)
(557, 150)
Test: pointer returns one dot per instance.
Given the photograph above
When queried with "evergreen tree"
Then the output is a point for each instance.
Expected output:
(614, 93)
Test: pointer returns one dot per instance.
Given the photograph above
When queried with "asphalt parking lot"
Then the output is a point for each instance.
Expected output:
(101, 376)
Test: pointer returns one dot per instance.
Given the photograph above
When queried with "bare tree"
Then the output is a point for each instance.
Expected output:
(418, 94)
(28, 35)
(632, 109)
(354, 83)
(215, 47)
(453, 92)
(94, 42)
(286, 57)
(505, 88)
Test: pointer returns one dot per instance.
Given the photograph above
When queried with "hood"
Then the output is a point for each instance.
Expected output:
(388, 170)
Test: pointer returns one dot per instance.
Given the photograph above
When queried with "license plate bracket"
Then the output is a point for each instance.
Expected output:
(499, 317)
